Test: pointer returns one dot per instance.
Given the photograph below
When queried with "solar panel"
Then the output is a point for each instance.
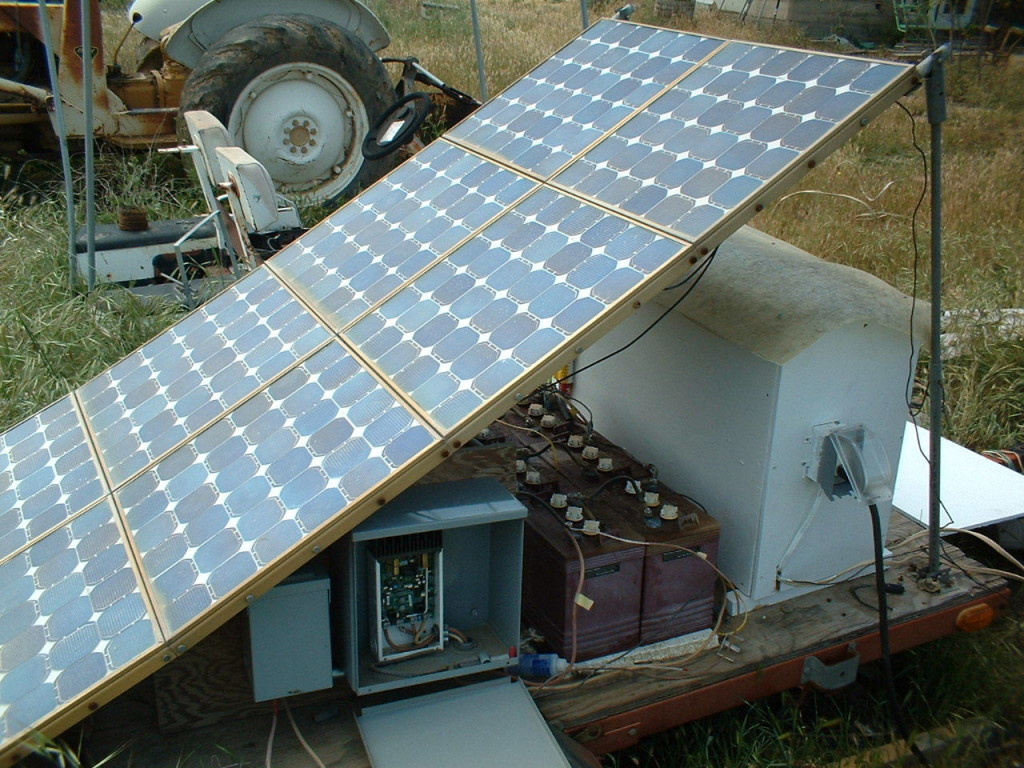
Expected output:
(546, 119)
(139, 513)
(47, 475)
(212, 514)
(394, 230)
(175, 385)
(73, 614)
(470, 326)
(718, 136)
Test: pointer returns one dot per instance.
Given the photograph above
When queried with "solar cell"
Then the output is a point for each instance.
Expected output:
(395, 229)
(724, 131)
(547, 118)
(71, 613)
(210, 515)
(182, 380)
(406, 319)
(471, 325)
(47, 475)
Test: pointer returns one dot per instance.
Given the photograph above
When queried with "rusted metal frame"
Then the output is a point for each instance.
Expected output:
(72, 70)
(25, 17)
(616, 732)
(37, 97)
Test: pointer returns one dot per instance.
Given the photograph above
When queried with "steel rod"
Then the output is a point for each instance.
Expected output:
(584, 15)
(935, 92)
(478, 43)
(62, 139)
(90, 170)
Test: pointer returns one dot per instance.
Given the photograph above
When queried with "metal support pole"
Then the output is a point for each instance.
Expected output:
(62, 140)
(90, 170)
(935, 92)
(584, 15)
(478, 42)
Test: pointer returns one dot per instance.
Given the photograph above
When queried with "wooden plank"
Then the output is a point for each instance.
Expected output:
(798, 627)
(497, 460)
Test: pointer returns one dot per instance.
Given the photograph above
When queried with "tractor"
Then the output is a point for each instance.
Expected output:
(298, 83)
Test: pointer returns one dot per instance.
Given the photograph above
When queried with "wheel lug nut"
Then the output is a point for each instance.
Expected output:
(293, 150)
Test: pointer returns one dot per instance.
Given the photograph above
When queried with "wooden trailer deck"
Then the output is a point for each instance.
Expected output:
(198, 711)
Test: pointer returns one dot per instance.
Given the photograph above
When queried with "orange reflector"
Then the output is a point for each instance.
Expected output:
(975, 617)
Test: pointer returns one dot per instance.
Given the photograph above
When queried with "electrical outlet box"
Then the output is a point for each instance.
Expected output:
(474, 529)
(290, 636)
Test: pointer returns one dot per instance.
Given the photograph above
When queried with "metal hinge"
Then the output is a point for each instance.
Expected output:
(831, 677)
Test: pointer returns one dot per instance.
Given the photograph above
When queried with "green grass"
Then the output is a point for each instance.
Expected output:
(53, 338)
(947, 682)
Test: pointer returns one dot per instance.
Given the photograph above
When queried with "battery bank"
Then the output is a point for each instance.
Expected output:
(679, 580)
(607, 617)
(658, 584)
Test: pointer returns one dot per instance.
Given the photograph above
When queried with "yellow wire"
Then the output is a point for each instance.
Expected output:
(554, 453)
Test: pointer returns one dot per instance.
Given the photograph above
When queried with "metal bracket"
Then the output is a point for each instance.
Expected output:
(831, 677)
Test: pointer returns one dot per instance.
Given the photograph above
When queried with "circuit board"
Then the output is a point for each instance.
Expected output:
(407, 598)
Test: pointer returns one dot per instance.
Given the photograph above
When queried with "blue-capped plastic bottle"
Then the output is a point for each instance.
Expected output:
(539, 666)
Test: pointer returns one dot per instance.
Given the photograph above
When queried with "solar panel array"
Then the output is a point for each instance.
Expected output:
(143, 510)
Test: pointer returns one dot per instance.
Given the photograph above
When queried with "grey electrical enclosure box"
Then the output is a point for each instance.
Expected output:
(478, 525)
(290, 636)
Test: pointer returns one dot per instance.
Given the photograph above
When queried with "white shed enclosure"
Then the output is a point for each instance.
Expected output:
(725, 393)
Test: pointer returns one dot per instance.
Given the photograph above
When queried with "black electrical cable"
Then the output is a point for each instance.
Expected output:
(911, 408)
(633, 481)
(696, 276)
(883, 636)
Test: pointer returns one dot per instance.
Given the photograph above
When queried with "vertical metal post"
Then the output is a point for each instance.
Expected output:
(90, 171)
(584, 15)
(935, 91)
(62, 139)
(478, 42)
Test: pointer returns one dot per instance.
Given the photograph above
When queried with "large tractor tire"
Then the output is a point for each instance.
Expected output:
(298, 93)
